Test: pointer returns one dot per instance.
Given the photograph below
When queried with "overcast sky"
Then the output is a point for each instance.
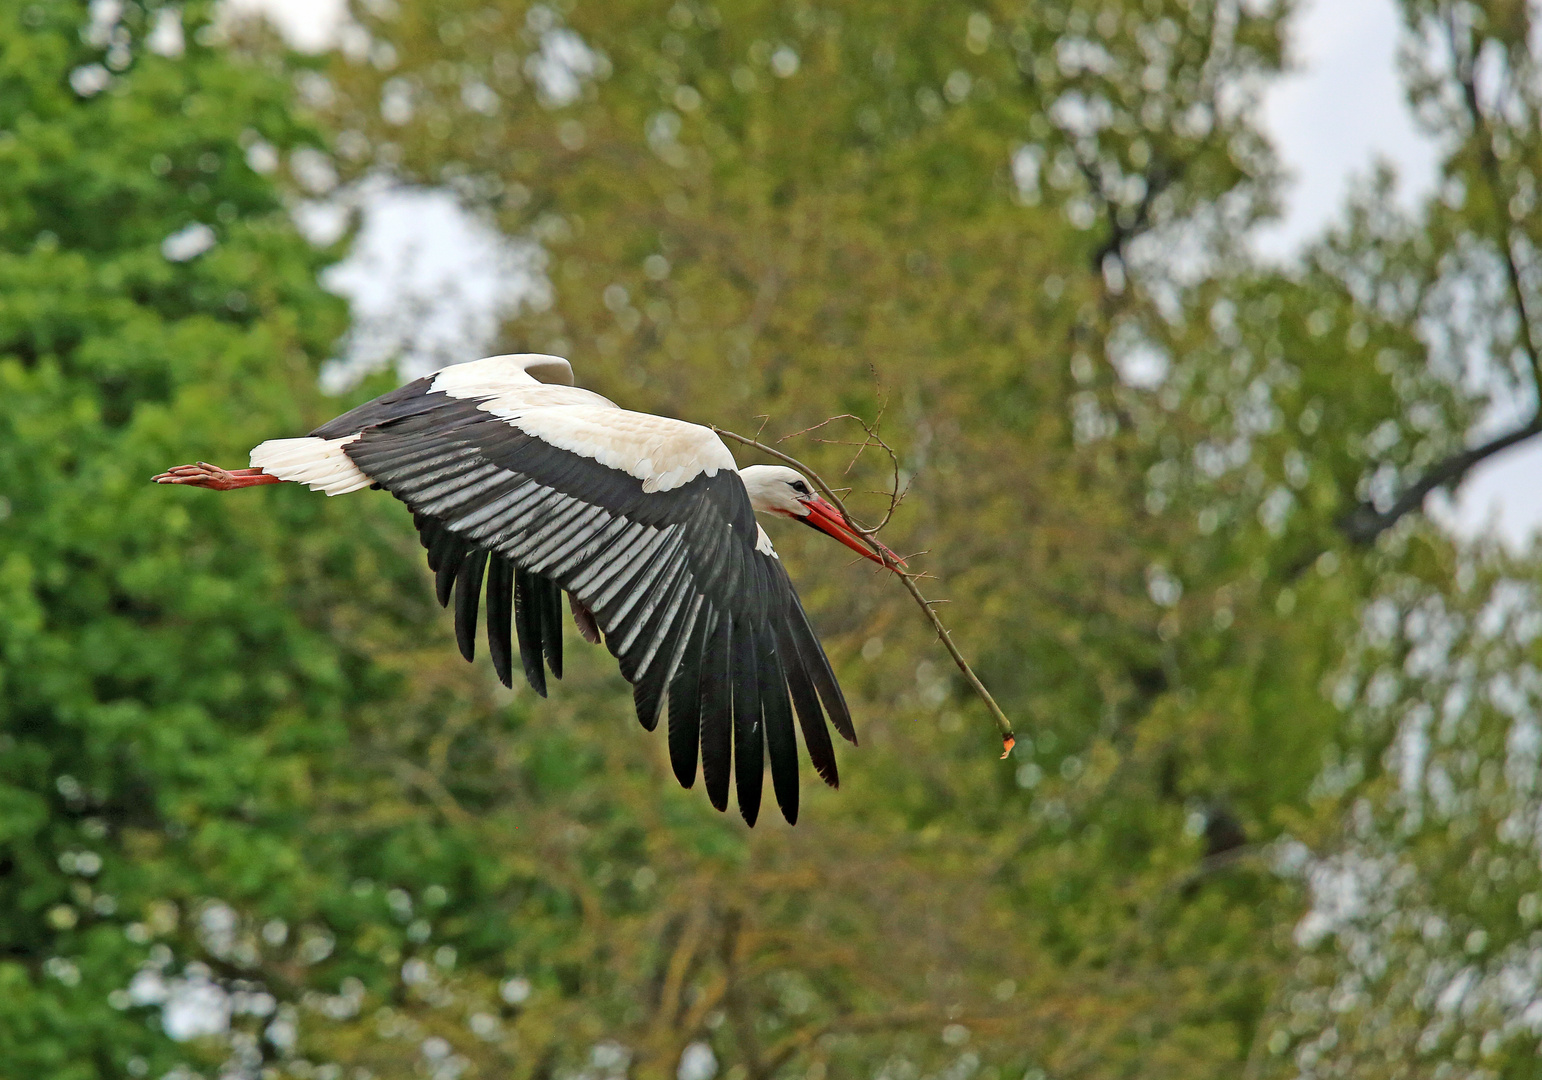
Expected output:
(1339, 111)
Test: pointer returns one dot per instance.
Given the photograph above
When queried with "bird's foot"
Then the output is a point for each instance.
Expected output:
(213, 477)
(584, 618)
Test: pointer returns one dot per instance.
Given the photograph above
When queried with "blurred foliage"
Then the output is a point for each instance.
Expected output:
(1273, 805)
(800, 210)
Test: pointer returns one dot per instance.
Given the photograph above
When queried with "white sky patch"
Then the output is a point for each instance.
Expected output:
(697, 1062)
(429, 282)
(188, 242)
(308, 25)
(1503, 498)
(90, 79)
(1139, 363)
(1027, 166)
(195, 1008)
(1341, 109)
(562, 66)
(192, 1006)
(165, 37)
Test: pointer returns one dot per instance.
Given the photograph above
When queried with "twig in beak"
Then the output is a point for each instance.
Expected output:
(875, 550)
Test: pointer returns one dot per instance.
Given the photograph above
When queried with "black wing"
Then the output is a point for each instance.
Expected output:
(695, 615)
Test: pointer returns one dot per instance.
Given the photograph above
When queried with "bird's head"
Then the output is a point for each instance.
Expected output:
(776, 489)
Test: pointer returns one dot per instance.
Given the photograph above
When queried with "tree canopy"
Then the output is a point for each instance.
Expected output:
(1273, 805)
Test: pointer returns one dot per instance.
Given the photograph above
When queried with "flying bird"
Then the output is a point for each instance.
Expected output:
(523, 486)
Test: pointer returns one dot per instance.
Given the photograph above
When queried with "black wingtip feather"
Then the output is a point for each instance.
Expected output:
(429, 530)
(647, 699)
(781, 743)
(717, 713)
(749, 735)
(550, 594)
(811, 718)
(663, 640)
(818, 666)
(685, 702)
(468, 597)
(453, 553)
(444, 547)
(500, 614)
(529, 632)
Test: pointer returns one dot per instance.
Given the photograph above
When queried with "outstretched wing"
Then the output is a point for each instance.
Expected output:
(651, 529)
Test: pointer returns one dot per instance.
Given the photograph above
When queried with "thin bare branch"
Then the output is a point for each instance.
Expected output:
(780, 1053)
(819, 426)
(670, 997)
(431, 786)
(1464, 62)
(883, 555)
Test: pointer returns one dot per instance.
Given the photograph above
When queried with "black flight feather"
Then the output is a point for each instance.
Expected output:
(468, 595)
(549, 595)
(685, 701)
(781, 743)
(440, 545)
(500, 613)
(404, 401)
(660, 635)
(816, 733)
(749, 736)
(455, 551)
(628, 607)
(428, 531)
(717, 712)
(528, 630)
(647, 699)
(648, 689)
(818, 666)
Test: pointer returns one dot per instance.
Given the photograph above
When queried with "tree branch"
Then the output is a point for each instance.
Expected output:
(1464, 62)
(883, 555)
(1158, 179)
(780, 1053)
(680, 961)
(1365, 523)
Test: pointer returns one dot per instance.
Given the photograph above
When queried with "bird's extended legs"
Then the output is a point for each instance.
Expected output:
(215, 478)
(584, 619)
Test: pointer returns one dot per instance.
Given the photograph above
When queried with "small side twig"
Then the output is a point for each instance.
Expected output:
(883, 555)
(896, 492)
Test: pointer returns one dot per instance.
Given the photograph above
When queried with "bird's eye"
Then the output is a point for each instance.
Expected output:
(800, 487)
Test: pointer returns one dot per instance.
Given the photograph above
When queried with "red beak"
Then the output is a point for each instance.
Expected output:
(827, 519)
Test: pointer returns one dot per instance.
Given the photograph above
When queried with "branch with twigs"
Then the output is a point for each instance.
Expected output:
(896, 494)
(1364, 523)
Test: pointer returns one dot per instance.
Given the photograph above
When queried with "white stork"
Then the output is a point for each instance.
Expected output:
(521, 480)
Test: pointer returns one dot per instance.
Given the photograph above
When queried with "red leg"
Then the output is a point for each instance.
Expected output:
(215, 478)
(584, 618)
